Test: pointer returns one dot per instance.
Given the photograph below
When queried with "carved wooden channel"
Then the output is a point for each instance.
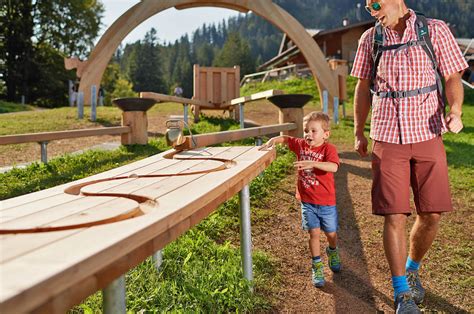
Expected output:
(62, 244)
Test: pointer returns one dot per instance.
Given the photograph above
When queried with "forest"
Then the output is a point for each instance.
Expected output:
(37, 34)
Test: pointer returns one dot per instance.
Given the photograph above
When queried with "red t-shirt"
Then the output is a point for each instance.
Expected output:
(315, 186)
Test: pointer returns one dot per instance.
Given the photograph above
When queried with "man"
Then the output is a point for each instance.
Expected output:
(406, 125)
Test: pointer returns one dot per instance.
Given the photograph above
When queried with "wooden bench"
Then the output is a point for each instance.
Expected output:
(62, 244)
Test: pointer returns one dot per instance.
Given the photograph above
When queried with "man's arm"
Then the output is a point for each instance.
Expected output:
(361, 111)
(455, 96)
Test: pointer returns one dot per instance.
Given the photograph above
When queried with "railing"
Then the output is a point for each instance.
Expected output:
(286, 70)
(44, 138)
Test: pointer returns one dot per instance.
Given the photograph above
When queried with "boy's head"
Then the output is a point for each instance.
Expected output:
(316, 128)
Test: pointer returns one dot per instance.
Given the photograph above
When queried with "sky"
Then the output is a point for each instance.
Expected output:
(170, 24)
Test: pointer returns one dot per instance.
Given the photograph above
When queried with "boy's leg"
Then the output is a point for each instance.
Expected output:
(334, 260)
(314, 245)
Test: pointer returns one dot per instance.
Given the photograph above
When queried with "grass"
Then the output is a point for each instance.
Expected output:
(6, 107)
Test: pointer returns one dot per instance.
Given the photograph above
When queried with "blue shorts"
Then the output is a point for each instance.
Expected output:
(319, 216)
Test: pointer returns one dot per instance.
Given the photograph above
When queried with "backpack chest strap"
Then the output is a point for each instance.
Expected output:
(406, 94)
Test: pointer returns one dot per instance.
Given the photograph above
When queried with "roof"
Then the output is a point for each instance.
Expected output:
(315, 33)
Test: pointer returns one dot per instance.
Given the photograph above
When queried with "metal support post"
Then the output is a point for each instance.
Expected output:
(336, 110)
(343, 103)
(325, 101)
(114, 296)
(80, 105)
(258, 141)
(245, 233)
(44, 151)
(185, 113)
(158, 259)
(241, 115)
(93, 103)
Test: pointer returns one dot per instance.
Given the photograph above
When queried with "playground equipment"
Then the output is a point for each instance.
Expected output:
(214, 88)
(62, 244)
(91, 70)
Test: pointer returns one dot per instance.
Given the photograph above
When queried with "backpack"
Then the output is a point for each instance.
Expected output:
(423, 40)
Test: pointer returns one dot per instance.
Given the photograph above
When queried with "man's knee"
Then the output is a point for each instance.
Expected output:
(429, 219)
(395, 220)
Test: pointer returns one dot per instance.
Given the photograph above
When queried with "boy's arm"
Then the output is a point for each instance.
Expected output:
(321, 165)
(282, 139)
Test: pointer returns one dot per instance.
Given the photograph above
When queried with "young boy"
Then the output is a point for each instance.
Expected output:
(317, 160)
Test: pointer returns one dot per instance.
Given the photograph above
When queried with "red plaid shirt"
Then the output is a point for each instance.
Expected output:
(412, 119)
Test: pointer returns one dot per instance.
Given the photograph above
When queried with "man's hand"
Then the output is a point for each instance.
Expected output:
(268, 145)
(360, 145)
(454, 122)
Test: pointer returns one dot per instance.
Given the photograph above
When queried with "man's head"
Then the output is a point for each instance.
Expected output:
(316, 128)
(388, 12)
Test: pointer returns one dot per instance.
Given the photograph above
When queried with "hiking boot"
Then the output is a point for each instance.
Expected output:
(318, 274)
(404, 304)
(416, 289)
(334, 260)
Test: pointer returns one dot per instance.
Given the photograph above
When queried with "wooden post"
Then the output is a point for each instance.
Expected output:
(138, 123)
(292, 115)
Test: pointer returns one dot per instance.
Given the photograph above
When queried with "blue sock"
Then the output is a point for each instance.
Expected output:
(400, 284)
(412, 265)
(316, 259)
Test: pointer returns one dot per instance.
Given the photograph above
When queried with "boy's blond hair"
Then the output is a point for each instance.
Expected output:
(319, 116)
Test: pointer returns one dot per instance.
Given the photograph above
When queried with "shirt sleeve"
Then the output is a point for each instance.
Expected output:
(331, 155)
(293, 144)
(362, 66)
(447, 51)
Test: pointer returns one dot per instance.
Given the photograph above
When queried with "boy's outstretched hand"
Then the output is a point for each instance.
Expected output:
(268, 145)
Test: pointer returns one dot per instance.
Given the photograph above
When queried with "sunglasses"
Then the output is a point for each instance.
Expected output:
(374, 6)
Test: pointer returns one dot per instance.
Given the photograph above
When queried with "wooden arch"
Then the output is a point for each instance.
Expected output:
(91, 70)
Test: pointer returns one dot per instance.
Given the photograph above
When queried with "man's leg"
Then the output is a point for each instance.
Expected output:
(421, 237)
(423, 234)
(394, 243)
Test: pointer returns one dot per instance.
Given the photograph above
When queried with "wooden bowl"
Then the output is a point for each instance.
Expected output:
(290, 100)
(134, 103)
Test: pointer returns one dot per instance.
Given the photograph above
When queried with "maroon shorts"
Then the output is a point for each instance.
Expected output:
(422, 165)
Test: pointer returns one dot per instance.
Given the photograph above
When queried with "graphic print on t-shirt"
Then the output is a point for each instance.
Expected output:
(308, 176)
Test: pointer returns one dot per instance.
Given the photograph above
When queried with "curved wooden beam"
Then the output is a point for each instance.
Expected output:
(107, 45)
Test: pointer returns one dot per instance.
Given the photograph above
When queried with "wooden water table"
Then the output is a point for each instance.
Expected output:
(59, 245)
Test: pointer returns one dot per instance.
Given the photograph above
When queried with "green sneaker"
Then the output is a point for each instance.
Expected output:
(404, 304)
(416, 289)
(334, 260)
(318, 274)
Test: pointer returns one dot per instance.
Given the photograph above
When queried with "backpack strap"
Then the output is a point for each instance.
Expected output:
(423, 40)
(377, 50)
(421, 26)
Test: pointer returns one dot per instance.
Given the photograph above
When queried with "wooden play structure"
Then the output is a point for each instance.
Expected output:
(213, 89)
(92, 69)
(62, 244)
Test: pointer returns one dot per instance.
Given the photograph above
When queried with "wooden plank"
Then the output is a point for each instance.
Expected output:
(81, 210)
(208, 139)
(100, 252)
(180, 100)
(224, 88)
(209, 86)
(256, 96)
(126, 170)
(51, 136)
(14, 246)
